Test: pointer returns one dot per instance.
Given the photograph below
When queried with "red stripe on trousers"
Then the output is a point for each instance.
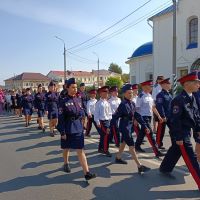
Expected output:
(190, 166)
(115, 135)
(155, 150)
(105, 139)
(136, 129)
(158, 135)
(89, 124)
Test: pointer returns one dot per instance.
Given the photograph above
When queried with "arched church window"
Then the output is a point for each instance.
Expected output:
(193, 33)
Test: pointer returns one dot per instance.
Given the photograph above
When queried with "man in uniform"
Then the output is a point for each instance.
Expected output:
(82, 94)
(156, 89)
(90, 111)
(102, 117)
(114, 103)
(163, 103)
(64, 91)
(184, 117)
(145, 106)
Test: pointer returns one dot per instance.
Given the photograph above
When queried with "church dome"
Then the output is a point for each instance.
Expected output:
(143, 50)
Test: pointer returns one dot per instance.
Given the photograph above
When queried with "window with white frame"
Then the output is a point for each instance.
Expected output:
(193, 31)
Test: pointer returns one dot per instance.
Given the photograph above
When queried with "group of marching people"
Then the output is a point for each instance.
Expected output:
(118, 119)
(73, 112)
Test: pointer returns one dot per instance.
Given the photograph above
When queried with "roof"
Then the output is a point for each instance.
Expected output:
(29, 76)
(143, 50)
(163, 12)
(102, 72)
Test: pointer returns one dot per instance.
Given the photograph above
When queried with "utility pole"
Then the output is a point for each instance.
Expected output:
(97, 68)
(65, 70)
(174, 50)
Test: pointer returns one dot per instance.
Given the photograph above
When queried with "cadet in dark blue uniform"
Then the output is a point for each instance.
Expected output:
(51, 106)
(70, 127)
(82, 94)
(39, 104)
(19, 103)
(27, 104)
(126, 113)
(184, 117)
(14, 102)
(63, 92)
(163, 106)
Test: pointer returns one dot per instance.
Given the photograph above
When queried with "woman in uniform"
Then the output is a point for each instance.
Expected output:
(27, 104)
(70, 126)
(39, 103)
(51, 107)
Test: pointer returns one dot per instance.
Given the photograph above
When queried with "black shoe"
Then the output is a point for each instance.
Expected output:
(88, 135)
(37, 121)
(89, 176)
(108, 154)
(160, 154)
(139, 149)
(39, 128)
(143, 169)
(120, 161)
(100, 151)
(67, 168)
(117, 145)
(52, 134)
(43, 130)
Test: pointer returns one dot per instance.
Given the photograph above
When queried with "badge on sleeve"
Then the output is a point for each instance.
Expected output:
(175, 109)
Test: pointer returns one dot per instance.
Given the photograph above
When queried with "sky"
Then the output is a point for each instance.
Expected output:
(29, 27)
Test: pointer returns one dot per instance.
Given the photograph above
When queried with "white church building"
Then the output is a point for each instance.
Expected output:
(155, 58)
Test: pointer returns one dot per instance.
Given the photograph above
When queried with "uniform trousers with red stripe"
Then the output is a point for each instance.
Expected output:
(161, 132)
(104, 136)
(150, 137)
(114, 131)
(186, 151)
(90, 121)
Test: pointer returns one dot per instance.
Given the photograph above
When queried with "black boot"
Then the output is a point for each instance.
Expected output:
(67, 168)
(143, 169)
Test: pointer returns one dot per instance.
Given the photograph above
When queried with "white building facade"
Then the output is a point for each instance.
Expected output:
(188, 39)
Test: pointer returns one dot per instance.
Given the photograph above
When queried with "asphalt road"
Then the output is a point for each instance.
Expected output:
(31, 169)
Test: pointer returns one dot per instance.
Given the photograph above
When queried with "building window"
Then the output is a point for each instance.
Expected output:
(101, 78)
(183, 72)
(193, 33)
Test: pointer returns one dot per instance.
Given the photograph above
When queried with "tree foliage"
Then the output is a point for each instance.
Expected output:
(115, 68)
(125, 78)
(114, 81)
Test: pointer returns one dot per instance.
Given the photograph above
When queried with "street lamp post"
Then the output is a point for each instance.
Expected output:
(65, 71)
(97, 68)
(174, 50)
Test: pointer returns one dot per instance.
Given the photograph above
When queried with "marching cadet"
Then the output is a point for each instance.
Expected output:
(90, 111)
(184, 117)
(136, 127)
(64, 91)
(102, 117)
(27, 105)
(163, 103)
(51, 107)
(39, 104)
(70, 127)
(19, 103)
(114, 103)
(82, 94)
(126, 113)
(14, 102)
(144, 106)
(156, 89)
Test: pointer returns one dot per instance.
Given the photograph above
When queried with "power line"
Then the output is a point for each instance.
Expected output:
(75, 46)
(122, 29)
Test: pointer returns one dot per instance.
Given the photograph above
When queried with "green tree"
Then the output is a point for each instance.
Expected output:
(114, 81)
(115, 68)
(126, 78)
